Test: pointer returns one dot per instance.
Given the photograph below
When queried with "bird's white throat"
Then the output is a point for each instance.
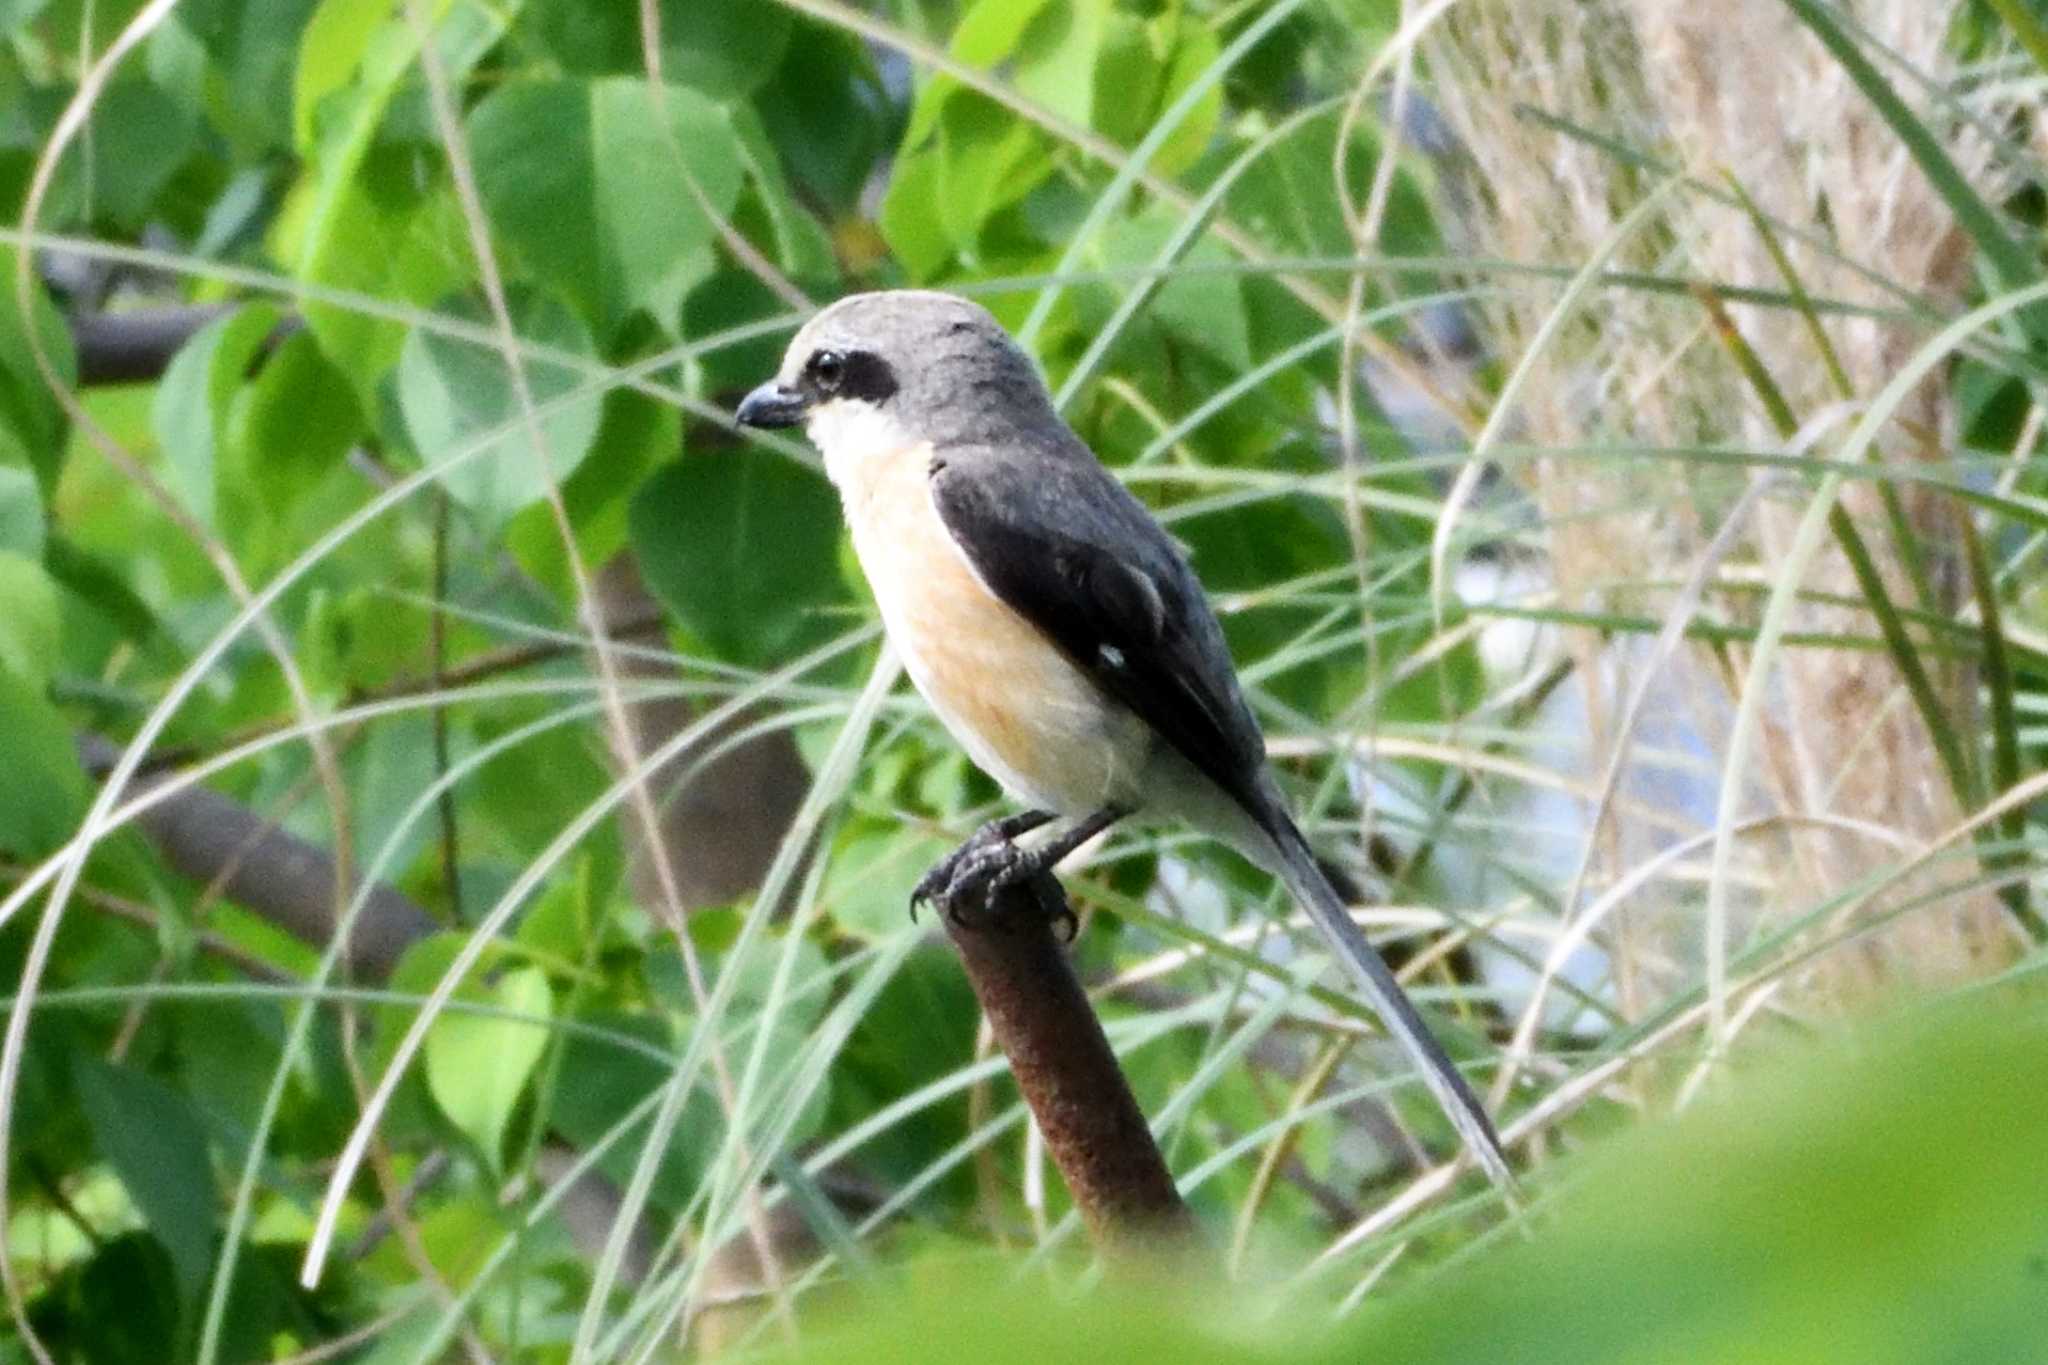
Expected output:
(851, 434)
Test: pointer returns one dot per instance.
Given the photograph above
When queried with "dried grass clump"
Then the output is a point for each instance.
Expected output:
(1738, 89)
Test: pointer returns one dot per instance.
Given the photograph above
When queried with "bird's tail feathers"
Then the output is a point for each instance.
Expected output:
(1312, 890)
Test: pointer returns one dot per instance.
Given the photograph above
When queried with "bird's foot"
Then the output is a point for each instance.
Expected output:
(970, 879)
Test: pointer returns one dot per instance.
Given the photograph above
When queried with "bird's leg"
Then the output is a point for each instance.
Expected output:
(936, 885)
(975, 875)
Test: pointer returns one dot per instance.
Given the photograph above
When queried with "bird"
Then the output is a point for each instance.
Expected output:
(1052, 625)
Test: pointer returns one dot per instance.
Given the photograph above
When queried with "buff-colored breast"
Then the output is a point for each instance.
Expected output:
(1028, 717)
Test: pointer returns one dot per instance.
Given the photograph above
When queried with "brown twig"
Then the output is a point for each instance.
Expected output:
(1067, 1072)
(285, 879)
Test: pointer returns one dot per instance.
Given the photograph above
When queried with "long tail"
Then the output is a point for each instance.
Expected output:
(1315, 894)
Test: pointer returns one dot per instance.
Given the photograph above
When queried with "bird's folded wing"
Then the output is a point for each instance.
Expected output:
(1068, 549)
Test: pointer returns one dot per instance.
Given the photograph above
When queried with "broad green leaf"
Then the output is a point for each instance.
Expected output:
(726, 48)
(226, 1049)
(455, 392)
(140, 136)
(149, 1133)
(1253, 547)
(826, 111)
(29, 618)
(21, 507)
(988, 160)
(362, 218)
(908, 224)
(592, 186)
(15, 13)
(335, 41)
(1194, 48)
(991, 29)
(122, 1304)
(254, 46)
(102, 586)
(609, 1082)
(1204, 309)
(1127, 79)
(44, 793)
(872, 873)
(723, 48)
(383, 235)
(190, 412)
(731, 299)
(294, 424)
(928, 999)
(459, 1235)
(801, 246)
(635, 434)
(742, 548)
(477, 1066)
(27, 410)
(1056, 56)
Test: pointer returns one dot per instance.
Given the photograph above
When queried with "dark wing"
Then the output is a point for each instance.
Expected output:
(1062, 543)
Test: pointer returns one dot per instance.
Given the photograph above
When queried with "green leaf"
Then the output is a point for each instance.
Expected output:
(988, 161)
(477, 1066)
(1201, 309)
(592, 186)
(122, 1304)
(824, 110)
(1244, 549)
(21, 506)
(364, 218)
(15, 13)
(635, 434)
(724, 48)
(140, 136)
(1056, 56)
(743, 549)
(991, 29)
(27, 409)
(102, 586)
(333, 46)
(801, 246)
(1195, 47)
(914, 233)
(190, 411)
(254, 46)
(1127, 80)
(149, 1134)
(29, 619)
(454, 392)
(294, 424)
(872, 873)
(606, 1082)
(44, 794)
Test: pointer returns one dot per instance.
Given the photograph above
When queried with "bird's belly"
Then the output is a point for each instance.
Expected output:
(1025, 715)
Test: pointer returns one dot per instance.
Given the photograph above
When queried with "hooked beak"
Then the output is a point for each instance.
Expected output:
(772, 405)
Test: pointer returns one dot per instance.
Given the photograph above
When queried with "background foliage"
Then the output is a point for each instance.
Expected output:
(1609, 433)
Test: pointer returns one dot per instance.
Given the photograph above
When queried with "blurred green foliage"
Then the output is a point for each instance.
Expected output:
(1873, 1201)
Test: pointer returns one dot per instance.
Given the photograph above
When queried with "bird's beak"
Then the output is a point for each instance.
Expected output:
(771, 405)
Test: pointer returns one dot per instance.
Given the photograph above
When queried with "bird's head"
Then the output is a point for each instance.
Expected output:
(876, 373)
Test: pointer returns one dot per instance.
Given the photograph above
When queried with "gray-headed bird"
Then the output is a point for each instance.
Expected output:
(1049, 621)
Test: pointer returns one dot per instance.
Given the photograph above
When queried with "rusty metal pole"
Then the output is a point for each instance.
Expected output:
(1042, 1020)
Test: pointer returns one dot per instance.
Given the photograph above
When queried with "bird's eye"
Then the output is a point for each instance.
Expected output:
(828, 368)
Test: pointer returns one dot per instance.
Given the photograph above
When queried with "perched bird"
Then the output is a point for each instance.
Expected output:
(1049, 621)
